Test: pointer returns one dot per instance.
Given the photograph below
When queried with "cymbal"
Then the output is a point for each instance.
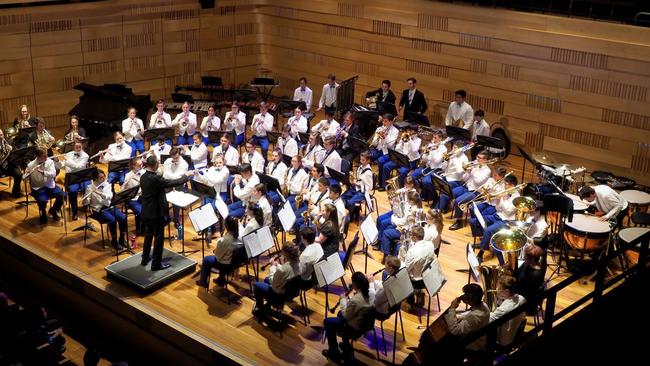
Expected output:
(583, 179)
(543, 158)
(565, 169)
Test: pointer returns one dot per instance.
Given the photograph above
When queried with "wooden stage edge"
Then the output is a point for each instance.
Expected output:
(119, 317)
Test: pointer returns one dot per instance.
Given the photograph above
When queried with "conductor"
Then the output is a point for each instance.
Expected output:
(155, 211)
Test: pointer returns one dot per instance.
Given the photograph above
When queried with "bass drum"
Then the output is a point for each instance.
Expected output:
(500, 131)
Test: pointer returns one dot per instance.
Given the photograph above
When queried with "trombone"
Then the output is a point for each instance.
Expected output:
(446, 156)
(475, 163)
(487, 197)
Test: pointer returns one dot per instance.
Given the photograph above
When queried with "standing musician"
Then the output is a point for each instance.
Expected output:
(42, 137)
(253, 157)
(459, 110)
(24, 119)
(160, 119)
(211, 122)
(390, 233)
(8, 168)
(312, 152)
(479, 127)
(326, 127)
(608, 204)
(262, 123)
(98, 197)
(298, 124)
(236, 120)
(328, 96)
(477, 317)
(278, 170)
(119, 150)
(296, 180)
(303, 93)
(431, 160)
(410, 146)
(412, 100)
(330, 157)
(155, 212)
(474, 178)
(287, 145)
(312, 252)
(41, 173)
(384, 94)
(346, 148)
(161, 147)
(74, 161)
(216, 176)
(360, 183)
(272, 290)
(244, 182)
(133, 128)
(453, 173)
(384, 138)
(74, 132)
(227, 151)
(223, 255)
(132, 179)
(186, 123)
(175, 168)
(392, 266)
(198, 152)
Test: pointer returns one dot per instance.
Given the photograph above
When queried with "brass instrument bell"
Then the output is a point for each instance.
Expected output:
(524, 205)
(510, 242)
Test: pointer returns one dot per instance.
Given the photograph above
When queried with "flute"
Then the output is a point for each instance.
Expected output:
(347, 293)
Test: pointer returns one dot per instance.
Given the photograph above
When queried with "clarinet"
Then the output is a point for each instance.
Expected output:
(347, 293)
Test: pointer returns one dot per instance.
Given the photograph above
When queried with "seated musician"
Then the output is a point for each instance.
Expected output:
(608, 204)
(475, 177)
(260, 197)
(507, 300)
(331, 158)
(419, 254)
(243, 189)
(478, 127)
(278, 170)
(24, 119)
(328, 229)
(74, 132)
(360, 183)
(217, 177)
(262, 123)
(198, 152)
(74, 161)
(273, 288)
(409, 147)
(303, 93)
(253, 157)
(295, 180)
(453, 173)
(160, 147)
(433, 227)
(8, 168)
(326, 127)
(186, 123)
(313, 152)
(477, 317)
(222, 258)
(384, 138)
(41, 173)
(392, 265)
(310, 188)
(235, 120)
(42, 137)
(352, 312)
(336, 200)
(409, 186)
(160, 118)
(530, 276)
(119, 150)
(229, 153)
(98, 198)
(210, 123)
(298, 124)
(287, 144)
(459, 110)
(505, 211)
(312, 252)
(538, 227)
(175, 167)
(431, 161)
(389, 233)
(254, 220)
(132, 179)
(316, 194)
(347, 149)
(133, 129)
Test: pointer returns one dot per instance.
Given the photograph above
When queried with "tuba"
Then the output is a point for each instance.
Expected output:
(524, 205)
(490, 279)
(509, 242)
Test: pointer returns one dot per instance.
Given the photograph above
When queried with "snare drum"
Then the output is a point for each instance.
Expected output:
(587, 233)
(578, 204)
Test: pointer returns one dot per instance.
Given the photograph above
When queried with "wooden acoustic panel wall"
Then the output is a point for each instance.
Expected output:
(149, 46)
(576, 88)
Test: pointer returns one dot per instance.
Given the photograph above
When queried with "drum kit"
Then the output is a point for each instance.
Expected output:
(565, 176)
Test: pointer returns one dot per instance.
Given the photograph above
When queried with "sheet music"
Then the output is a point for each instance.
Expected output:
(472, 261)
(258, 242)
(369, 230)
(329, 270)
(265, 238)
(287, 216)
(371, 207)
(203, 217)
(398, 287)
(181, 199)
(433, 278)
(221, 206)
(479, 216)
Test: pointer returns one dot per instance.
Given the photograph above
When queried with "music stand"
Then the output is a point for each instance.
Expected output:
(214, 137)
(385, 107)
(357, 144)
(458, 133)
(490, 142)
(270, 182)
(23, 133)
(287, 160)
(203, 190)
(293, 104)
(441, 185)
(304, 137)
(123, 197)
(233, 169)
(18, 157)
(273, 136)
(182, 98)
(153, 133)
(339, 177)
(399, 158)
(79, 177)
(417, 118)
(526, 157)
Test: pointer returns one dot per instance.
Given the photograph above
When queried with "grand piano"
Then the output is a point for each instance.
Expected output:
(101, 109)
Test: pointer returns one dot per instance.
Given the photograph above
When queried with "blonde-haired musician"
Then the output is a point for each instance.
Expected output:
(227, 151)
(75, 161)
(133, 128)
(24, 118)
(186, 123)
(262, 123)
(277, 169)
(297, 123)
(235, 120)
(41, 173)
(119, 150)
(210, 123)
(384, 138)
(419, 254)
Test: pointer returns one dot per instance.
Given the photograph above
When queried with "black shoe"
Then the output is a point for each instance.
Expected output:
(145, 261)
(201, 284)
(161, 267)
(381, 189)
(114, 244)
(457, 225)
(333, 356)
(122, 243)
(42, 219)
(221, 281)
(75, 217)
(54, 215)
(258, 312)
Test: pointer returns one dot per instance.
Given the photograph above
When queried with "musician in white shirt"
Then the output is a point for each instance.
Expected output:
(253, 157)
(336, 200)
(41, 173)
(419, 254)
(330, 157)
(278, 170)
(287, 145)
(328, 96)
(318, 194)
(475, 178)
(297, 123)
(132, 179)
(262, 123)
(133, 128)
(75, 161)
(303, 93)
(312, 152)
(312, 252)
(326, 127)
(98, 197)
(410, 148)
(362, 183)
(216, 177)
(243, 183)
(459, 110)
(119, 150)
(210, 123)
(478, 127)
(609, 204)
(260, 197)
(160, 147)
(160, 118)
(453, 173)
(507, 301)
(175, 167)
(198, 152)
(227, 151)
(384, 138)
(488, 208)
(296, 179)
(236, 120)
(186, 123)
(389, 233)
(431, 161)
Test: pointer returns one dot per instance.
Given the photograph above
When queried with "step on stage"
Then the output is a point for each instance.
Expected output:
(143, 278)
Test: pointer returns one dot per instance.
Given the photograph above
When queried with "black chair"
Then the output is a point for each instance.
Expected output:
(396, 309)
(292, 289)
(346, 256)
(562, 207)
(306, 285)
(346, 166)
(367, 324)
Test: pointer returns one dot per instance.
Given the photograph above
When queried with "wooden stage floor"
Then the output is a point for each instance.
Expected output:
(207, 317)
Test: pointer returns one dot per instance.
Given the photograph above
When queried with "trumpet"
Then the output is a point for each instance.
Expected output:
(380, 133)
(462, 149)
(475, 163)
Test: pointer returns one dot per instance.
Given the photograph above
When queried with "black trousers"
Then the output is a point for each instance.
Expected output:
(13, 171)
(154, 229)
